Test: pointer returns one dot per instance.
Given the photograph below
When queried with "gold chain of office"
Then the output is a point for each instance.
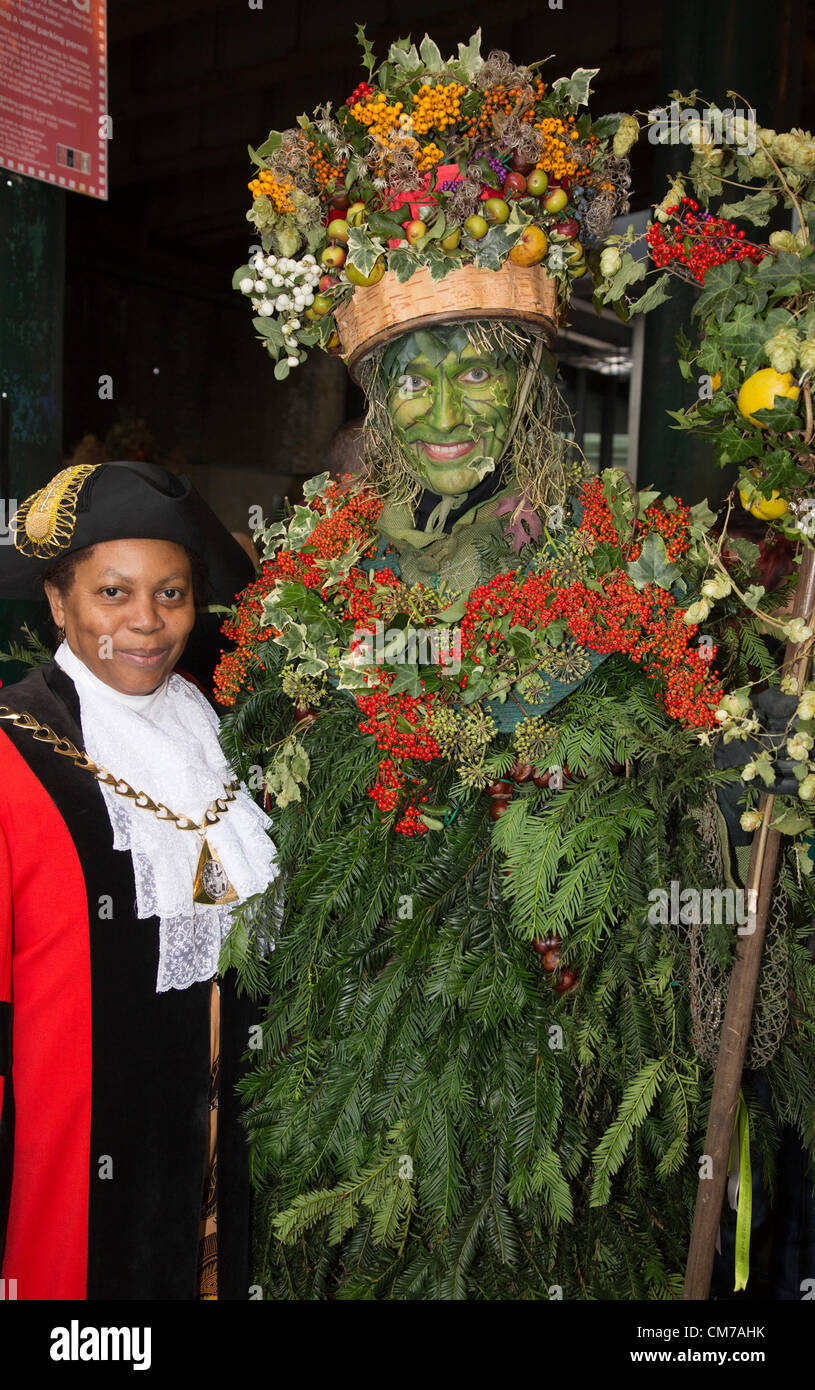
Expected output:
(43, 734)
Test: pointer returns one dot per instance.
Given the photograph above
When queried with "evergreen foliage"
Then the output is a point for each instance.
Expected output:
(428, 1118)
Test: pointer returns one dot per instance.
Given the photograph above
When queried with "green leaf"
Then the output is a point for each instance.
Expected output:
(629, 273)
(368, 59)
(577, 87)
(273, 142)
(281, 369)
(657, 293)
(653, 565)
(363, 250)
(430, 55)
(756, 207)
(402, 260)
(721, 292)
(469, 56)
(382, 224)
(638, 1097)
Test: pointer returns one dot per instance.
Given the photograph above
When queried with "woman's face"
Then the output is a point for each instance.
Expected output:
(128, 612)
(453, 418)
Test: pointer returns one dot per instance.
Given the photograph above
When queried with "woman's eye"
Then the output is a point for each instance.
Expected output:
(476, 376)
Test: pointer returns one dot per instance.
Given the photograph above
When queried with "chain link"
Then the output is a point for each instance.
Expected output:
(43, 734)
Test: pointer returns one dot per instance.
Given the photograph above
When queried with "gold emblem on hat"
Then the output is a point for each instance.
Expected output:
(44, 524)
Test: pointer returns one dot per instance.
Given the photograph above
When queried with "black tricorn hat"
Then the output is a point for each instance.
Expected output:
(87, 504)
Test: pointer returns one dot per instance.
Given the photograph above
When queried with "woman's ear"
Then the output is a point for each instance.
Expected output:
(55, 603)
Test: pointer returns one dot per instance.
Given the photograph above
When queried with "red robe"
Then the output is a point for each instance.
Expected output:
(105, 1083)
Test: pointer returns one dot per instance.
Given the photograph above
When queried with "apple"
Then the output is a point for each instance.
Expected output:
(496, 210)
(575, 252)
(531, 246)
(537, 183)
(355, 214)
(338, 230)
(338, 202)
(514, 185)
(310, 315)
(333, 257)
(322, 305)
(555, 200)
(476, 227)
(569, 228)
(451, 241)
(333, 344)
(327, 283)
(414, 231)
(356, 277)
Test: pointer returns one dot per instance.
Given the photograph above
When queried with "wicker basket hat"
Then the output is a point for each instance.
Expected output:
(376, 314)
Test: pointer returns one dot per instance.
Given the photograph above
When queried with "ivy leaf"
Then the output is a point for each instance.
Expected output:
(756, 207)
(782, 418)
(469, 56)
(431, 57)
(753, 596)
(721, 292)
(653, 565)
(407, 678)
(577, 87)
(657, 293)
(403, 262)
(493, 248)
(363, 250)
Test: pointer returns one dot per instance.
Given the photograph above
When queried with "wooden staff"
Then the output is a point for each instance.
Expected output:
(741, 996)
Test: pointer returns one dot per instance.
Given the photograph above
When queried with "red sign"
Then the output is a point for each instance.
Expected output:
(53, 92)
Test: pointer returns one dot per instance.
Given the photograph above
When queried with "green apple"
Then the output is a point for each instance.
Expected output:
(338, 230)
(476, 227)
(323, 304)
(556, 200)
(356, 277)
(355, 214)
(537, 183)
(414, 231)
(496, 210)
(333, 257)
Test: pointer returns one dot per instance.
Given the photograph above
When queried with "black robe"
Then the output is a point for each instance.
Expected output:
(105, 1099)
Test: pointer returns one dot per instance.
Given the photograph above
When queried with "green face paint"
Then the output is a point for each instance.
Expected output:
(452, 415)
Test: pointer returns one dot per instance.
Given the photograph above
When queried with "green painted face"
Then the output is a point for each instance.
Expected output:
(452, 416)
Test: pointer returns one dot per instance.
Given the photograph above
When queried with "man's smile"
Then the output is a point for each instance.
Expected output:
(443, 453)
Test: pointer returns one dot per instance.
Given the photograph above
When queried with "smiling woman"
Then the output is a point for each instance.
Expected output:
(125, 840)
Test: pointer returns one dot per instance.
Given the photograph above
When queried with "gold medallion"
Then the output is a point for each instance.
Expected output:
(211, 886)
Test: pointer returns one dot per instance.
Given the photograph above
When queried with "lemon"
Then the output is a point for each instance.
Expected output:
(758, 392)
(770, 508)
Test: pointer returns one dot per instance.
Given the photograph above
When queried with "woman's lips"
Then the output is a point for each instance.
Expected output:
(151, 657)
(446, 453)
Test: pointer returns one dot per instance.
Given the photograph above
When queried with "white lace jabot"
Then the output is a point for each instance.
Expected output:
(166, 744)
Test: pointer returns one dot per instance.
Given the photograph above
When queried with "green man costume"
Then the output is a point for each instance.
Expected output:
(488, 1046)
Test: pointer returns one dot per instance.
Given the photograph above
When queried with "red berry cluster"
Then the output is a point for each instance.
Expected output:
(247, 630)
(361, 92)
(698, 241)
(363, 595)
(397, 722)
(598, 522)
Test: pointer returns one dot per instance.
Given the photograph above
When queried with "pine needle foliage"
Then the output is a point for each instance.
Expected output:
(428, 1118)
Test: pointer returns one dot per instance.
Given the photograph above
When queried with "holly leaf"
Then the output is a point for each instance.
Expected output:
(653, 565)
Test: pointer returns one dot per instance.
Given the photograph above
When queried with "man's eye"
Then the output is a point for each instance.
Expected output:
(111, 591)
(173, 593)
(411, 384)
(476, 376)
